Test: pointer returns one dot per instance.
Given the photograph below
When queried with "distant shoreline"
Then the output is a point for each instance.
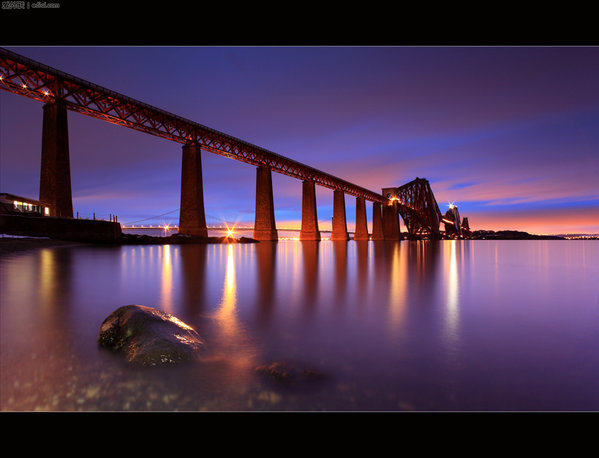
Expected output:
(520, 235)
(511, 235)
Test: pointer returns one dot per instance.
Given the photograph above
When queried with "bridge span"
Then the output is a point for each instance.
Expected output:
(59, 92)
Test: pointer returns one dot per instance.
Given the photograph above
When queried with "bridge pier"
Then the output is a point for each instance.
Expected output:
(264, 226)
(339, 219)
(391, 222)
(192, 219)
(377, 222)
(361, 230)
(309, 230)
(55, 176)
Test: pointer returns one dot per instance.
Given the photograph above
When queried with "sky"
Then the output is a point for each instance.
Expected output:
(509, 134)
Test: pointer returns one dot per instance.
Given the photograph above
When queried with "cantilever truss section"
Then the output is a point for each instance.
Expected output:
(26, 77)
(417, 207)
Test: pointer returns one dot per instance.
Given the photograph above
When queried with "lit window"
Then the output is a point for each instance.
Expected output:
(47, 211)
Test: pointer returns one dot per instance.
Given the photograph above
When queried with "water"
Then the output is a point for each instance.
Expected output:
(422, 326)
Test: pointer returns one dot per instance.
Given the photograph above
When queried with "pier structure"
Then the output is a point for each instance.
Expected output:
(192, 219)
(61, 92)
(55, 174)
(265, 228)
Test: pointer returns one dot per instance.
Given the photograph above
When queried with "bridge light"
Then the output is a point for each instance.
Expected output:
(230, 230)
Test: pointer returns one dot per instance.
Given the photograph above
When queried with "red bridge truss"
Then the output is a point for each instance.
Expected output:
(29, 78)
(418, 207)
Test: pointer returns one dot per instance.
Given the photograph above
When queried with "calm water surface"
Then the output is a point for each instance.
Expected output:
(451, 325)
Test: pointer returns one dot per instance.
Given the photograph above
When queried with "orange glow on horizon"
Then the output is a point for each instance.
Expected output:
(551, 221)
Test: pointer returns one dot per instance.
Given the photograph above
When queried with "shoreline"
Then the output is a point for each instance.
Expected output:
(11, 244)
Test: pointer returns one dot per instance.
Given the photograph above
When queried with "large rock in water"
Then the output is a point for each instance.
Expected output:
(148, 336)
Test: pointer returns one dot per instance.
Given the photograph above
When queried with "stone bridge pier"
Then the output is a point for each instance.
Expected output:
(264, 223)
(361, 229)
(192, 219)
(391, 221)
(55, 174)
(339, 220)
(377, 222)
(309, 230)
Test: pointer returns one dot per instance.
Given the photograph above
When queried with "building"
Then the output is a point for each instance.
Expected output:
(11, 204)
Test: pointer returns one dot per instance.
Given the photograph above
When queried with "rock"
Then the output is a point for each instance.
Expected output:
(148, 336)
(248, 240)
(289, 373)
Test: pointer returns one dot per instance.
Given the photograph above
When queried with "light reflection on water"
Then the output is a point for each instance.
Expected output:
(454, 325)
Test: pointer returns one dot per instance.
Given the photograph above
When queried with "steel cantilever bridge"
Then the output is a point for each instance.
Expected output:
(59, 92)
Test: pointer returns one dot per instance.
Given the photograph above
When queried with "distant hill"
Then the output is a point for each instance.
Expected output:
(511, 235)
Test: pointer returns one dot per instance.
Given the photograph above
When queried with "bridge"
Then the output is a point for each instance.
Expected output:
(59, 92)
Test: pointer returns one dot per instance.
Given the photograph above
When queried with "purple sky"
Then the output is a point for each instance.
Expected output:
(509, 134)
